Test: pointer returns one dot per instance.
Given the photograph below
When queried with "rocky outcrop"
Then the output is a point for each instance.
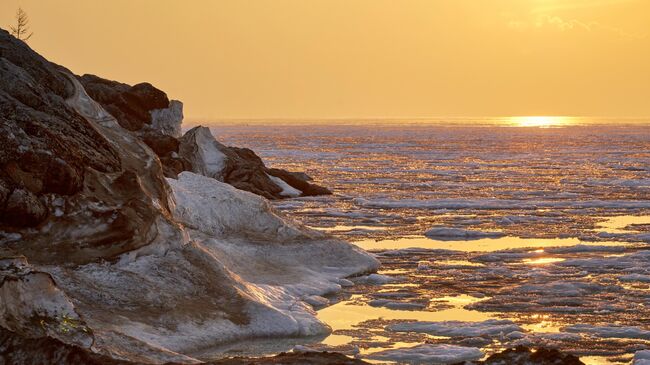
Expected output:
(102, 254)
(148, 113)
(130, 105)
(242, 168)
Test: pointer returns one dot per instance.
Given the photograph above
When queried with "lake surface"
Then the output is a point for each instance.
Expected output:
(543, 227)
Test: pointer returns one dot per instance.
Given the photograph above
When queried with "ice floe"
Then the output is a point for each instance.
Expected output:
(446, 233)
(492, 327)
(429, 354)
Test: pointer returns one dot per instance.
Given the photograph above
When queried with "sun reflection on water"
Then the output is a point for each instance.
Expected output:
(541, 121)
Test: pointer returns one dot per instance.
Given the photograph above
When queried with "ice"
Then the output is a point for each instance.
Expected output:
(445, 233)
(611, 331)
(316, 301)
(491, 327)
(376, 279)
(641, 357)
(392, 304)
(219, 209)
(635, 277)
(429, 354)
(287, 190)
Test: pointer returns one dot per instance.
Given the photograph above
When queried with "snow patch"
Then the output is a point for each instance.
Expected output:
(287, 190)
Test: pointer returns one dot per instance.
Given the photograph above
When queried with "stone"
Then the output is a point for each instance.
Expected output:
(23, 209)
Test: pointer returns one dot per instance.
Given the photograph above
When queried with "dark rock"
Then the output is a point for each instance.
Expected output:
(161, 144)
(147, 97)
(522, 355)
(298, 181)
(55, 146)
(130, 105)
(23, 209)
(240, 167)
(174, 165)
(46, 146)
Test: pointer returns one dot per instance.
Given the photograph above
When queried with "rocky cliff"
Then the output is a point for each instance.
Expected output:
(146, 111)
(102, 252)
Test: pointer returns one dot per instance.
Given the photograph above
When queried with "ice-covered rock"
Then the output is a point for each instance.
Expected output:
(491, 327)
(123, 261)
(429, 354)
(168, 120)
(241, 167)
(287, 190)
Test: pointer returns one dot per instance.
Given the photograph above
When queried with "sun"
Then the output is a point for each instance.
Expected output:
(540, 121)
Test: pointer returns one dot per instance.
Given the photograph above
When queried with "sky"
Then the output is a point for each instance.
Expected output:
(359, 58)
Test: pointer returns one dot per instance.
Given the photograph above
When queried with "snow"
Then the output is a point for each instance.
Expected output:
(287, 190)
(443, 233)
(491, 327)
(216, 208)
(429, 354)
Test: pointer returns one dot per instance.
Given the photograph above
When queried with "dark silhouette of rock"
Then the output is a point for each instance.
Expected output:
(522, 355)
(160, 143)
(23, 209)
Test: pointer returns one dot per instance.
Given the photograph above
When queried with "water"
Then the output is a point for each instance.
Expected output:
(568, 206)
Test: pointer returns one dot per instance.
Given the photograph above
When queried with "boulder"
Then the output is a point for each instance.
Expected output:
(242, 167)
(130, 105)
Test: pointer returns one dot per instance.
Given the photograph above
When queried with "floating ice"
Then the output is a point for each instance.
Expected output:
(443, 233)
(429, 354)
(611, 331)
(491, 327)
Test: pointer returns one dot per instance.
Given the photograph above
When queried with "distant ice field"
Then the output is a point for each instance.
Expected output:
(518, 235)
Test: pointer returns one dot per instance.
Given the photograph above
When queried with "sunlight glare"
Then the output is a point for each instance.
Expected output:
(540, 121)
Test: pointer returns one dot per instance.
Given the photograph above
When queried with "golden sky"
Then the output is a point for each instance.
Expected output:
(360, 58)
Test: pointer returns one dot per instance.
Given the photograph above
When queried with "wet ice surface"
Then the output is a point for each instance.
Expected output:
(563, 257)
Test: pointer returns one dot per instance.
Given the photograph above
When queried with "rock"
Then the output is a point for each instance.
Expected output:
(114, 256)
(241, 167)
(23, 209)
(299, 181)
(130, 105)
(147, 97)
(199, 147)
(161, 144)
(168, 121)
